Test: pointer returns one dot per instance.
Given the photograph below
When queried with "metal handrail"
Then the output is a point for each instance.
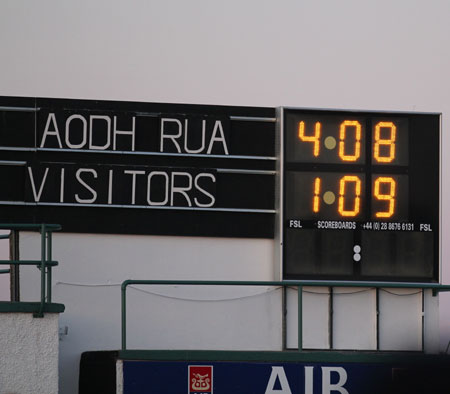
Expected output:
(436, 288)
(45, 263)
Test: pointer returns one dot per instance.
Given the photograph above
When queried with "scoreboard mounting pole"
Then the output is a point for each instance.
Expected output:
(360, 195)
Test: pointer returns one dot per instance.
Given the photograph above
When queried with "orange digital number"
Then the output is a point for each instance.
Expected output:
(342, 189)
(342, 135)
(316, 199)
(385, 196)
(378, 156)
(315, 139)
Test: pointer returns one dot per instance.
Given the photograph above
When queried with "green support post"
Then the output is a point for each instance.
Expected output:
(124, 315)
(43, 256)
(49, 268)
(300, 318)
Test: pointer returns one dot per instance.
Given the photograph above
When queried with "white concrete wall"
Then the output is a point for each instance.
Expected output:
(28, 353)
(92, 267)
(354, 322)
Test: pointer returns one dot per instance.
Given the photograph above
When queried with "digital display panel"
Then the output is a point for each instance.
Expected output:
(360, 195)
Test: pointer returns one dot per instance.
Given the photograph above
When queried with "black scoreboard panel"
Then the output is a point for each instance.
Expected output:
(138, 168)
(361, 195)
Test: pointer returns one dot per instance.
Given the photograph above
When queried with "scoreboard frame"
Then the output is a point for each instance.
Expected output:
(292, 167)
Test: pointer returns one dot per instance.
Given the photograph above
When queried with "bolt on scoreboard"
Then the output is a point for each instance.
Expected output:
(361, 195)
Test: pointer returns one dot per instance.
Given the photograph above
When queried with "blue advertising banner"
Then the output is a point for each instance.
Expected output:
(181, 377)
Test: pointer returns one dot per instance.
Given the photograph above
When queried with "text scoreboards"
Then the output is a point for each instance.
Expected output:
(361, 195)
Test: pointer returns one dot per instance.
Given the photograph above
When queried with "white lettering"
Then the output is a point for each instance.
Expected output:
(93, 192)
(213, 200)
(172, 137)
(278, 373)
(186, 138)
(110, 181)
(133, 184)
(124, 132)
(180, 189)
(327, 387)
(61, 190)
(51, 119)
(91, 130)
(166, 194)
(309, 380)
(37, 196)
(218, 127)
(83, 141)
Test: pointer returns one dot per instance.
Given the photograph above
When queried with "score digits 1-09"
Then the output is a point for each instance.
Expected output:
(338, 139)
(360, 172)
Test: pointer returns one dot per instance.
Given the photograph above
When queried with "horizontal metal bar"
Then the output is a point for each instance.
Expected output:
(19, 226)
(4, 236)
(222, 170)
(147, 114)
(12, 163)
(203, 155)
(249, 172)
(253, 119)
(369, 111)
(138, 153)
(51, 204)
(5, 271)
(17, 149)
(19, 109)
(325, 283)
(48, 263)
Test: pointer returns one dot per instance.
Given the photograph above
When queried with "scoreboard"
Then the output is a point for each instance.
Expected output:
(349, 195)
(360, 195)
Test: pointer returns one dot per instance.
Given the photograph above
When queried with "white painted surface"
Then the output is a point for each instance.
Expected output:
(119, 377)
(92, 267)
(28, 353)
(431, 322)
(354, 318)
(315, 303)
(401, 319)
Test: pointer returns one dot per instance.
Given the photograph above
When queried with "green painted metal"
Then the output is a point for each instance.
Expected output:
(44, 264)
(29, 227)
(48, 263)
(49, 268)
(29, 307)
(4, 236)
(300, 318)
(5, 271)
(437, 288)
(43, 258)
(360, 357)
(124, 315)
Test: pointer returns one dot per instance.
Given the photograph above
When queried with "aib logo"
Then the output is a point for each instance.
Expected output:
(200, 379)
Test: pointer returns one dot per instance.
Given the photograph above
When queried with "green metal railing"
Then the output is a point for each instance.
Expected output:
(436, 288)
(5, 236)
(45, 263)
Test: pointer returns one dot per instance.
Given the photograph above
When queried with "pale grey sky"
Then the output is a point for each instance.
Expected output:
(356, 54)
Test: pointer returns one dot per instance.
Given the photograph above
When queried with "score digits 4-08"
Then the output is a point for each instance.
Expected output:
(373, 152)
(384, 147)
